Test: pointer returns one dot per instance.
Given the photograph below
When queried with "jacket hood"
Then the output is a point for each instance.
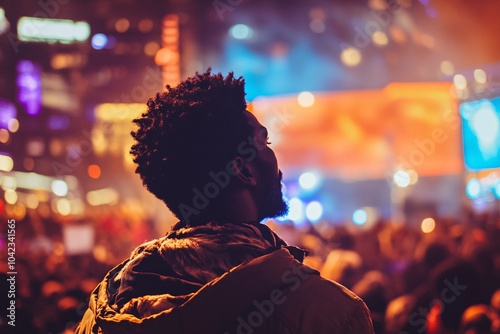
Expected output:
(230, 294)
(170, 281)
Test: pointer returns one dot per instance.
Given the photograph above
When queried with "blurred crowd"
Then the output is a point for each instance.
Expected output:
(445, 281)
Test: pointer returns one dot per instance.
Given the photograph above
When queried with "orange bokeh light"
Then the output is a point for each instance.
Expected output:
(94, 171)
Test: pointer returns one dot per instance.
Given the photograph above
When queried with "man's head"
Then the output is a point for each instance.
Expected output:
(196, 145)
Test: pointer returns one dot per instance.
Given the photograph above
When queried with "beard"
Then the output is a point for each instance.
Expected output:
(273, 204)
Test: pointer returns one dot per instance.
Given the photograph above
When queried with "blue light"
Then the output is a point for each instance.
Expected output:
(241, 31)
(359, 217)
(473, 189)
(99, 41)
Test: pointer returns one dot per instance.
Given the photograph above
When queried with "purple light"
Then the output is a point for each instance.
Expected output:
(7, 112)
(29, 84)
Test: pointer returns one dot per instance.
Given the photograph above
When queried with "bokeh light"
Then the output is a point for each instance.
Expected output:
(151, 48)
(241, 31)
(473, 188)
(296, 210)
(10, 196)
(122, 25)
(350, 57)
(59, 187)
(94, 171)
(379, 38)
(447, 67)
(308, 180)
(4, 136)
(306, 99)
(359, 217)
(460, 81)
(402, 179)
(6, 163)
(480, 76)
(99, 41)
(63, 206)
(13, 125)
(314, 211)
(428, 225)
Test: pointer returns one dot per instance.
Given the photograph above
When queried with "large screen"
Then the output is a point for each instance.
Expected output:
(481, 133)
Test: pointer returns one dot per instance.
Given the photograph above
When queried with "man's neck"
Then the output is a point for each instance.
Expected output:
(238, 207)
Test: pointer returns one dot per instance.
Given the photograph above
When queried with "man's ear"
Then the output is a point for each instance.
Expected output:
(244, 171)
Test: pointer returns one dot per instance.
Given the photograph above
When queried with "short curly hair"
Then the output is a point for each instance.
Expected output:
(188, 132)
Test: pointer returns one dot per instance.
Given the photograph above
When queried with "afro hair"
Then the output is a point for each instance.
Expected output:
(188, 132)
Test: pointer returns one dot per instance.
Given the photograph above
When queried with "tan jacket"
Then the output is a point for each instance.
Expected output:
(273, 293)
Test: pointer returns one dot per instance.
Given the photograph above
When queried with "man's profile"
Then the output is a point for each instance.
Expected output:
(219, 270)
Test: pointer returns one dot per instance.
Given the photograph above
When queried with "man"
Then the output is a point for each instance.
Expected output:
(218, 270)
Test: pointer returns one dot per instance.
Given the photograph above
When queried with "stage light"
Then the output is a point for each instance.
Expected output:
(486, 125)
(6, 163)
(10, 196)
(314, 211)
(63, 206)
(402, 179)
(350, 57)
(8, 112)
(99, 41)
(241, 31)
(428, 225)
(480, 76)
(59, 187)
(122, 25)
(359, 217)
(94, 171)
(460, 81)
(473, 188)
(163, 56)
(379, 38)
(305, 99)
(4, 23)
(13, 125)
(308, 180)
(36, 29)
(4, 136)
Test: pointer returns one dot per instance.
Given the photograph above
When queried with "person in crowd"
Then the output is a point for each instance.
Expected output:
(219, 270)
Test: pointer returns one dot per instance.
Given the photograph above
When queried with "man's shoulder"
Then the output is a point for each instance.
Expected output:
(300, 298)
